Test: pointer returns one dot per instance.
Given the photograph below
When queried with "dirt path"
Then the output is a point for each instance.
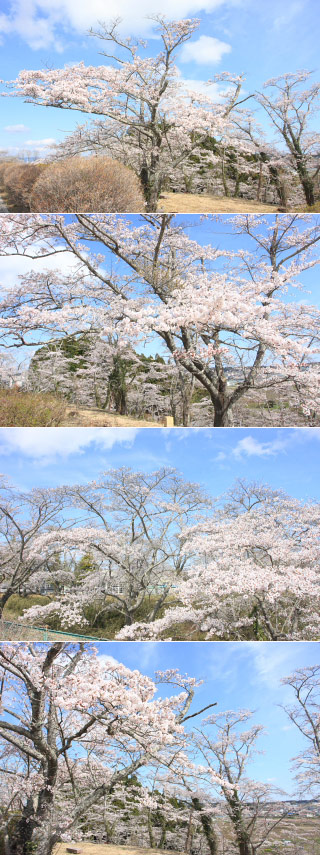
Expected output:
(83, 417)
(193, 203)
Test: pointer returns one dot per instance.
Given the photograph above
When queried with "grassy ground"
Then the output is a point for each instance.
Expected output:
(294, 836)
(36, 409)
(106, 628)
(22, 633)
(194, 203)
(106, 849)
(83, 417)
(12, 630)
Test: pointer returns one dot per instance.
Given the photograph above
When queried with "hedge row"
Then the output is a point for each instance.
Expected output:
(82, 184)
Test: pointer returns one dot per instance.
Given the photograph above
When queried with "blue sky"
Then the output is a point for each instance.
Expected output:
(260, 39)
(287, 459)
(237, 675)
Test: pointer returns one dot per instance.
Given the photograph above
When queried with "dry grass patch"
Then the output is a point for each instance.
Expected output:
(87, 417)
(196, 203)
(30, 409)
(108, 849)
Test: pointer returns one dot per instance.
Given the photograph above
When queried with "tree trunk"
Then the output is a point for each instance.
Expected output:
(163, 838)
(306, 181)
(189, 835)
(221, 415)
(208, 828)
(4, 599)
(150, 832)
(151, 188)
(240, 831)
(19, 839)
(44, 840)
(244, 846)
(308, 189)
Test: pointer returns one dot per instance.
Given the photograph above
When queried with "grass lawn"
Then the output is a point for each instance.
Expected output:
(202, 203)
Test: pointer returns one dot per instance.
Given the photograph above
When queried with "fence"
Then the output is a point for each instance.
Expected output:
(11, 630)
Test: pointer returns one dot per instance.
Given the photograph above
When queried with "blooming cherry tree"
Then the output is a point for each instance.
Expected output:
(132, 534)
(148, 117)
(291, 108)
(224, 316)
(23, 517)
(228, 750)
(149, 548)
(254, 572)
(305, 715)
(74, 726)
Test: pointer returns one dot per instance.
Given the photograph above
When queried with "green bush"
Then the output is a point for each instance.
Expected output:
(17, 604)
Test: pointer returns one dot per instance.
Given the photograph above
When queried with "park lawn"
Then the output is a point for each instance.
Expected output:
(88, 848)
(203, 203)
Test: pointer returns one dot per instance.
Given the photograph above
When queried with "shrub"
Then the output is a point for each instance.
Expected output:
(87, 184)
(28, 409)
(18, 179)
(7, 161)
(17, 604)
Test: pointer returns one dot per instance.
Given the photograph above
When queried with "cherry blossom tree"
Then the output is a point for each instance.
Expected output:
(83, 370)
(132, 533)
(23, 517)
(291, 109)
(109, 375)
(224, 316)
(227, 749)
(305, 715)
(11, 373)
(149, 816)
(254, 571)
(147, 114)
(73, 727)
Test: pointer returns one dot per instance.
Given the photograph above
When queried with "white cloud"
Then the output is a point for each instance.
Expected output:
(220, 456)
(39, 147)
(17, 265)
(201, 87)
(149, 655)
(249, 446)
(108, 659)
(46, 444)
(271, 662)
(41, 22)
(48, 141)
(205, 51)
(16, 129)
(291, 12)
